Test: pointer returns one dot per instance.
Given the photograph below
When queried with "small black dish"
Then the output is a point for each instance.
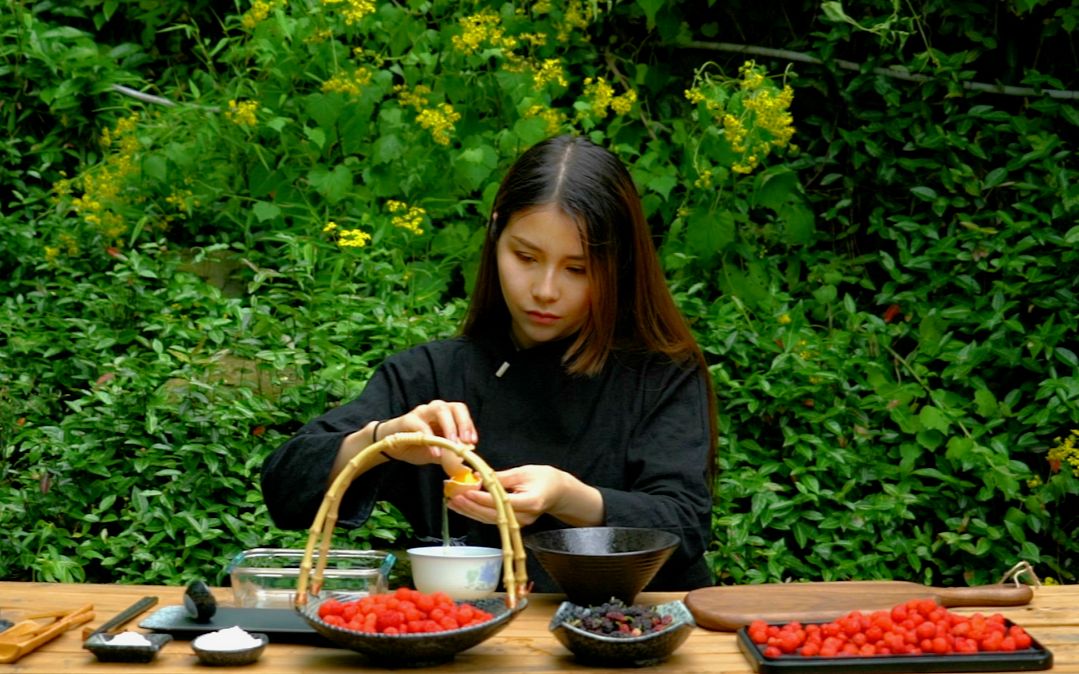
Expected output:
(99, 644)
(590, 648)
(199, 601)
(231, 658)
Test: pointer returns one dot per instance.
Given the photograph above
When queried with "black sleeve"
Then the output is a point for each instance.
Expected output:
(667, 468)
(296, 476)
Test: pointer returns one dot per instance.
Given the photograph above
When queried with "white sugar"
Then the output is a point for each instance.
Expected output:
(129, 639)
(228, 639)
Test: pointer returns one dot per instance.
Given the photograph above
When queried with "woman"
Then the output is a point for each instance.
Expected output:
(575, 376)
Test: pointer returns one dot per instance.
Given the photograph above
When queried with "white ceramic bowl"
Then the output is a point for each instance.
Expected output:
(461, 571)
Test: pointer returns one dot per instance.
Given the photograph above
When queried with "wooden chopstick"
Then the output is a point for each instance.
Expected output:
(121, 618)
(34, 634)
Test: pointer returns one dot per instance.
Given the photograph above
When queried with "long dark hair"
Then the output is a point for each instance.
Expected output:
(631, 305)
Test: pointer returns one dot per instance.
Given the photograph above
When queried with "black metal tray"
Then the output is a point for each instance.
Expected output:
(282, 625)
(1029, 659)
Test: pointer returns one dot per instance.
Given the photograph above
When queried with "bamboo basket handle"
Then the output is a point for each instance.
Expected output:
(514, 575)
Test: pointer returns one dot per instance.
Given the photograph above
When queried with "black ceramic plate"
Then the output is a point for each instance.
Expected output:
(1034, 658)
(281, 625)
(99, 645)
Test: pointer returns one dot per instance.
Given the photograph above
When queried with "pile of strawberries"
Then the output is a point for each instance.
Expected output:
(403, 611)
(919, 626)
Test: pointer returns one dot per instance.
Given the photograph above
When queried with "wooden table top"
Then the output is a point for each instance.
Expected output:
(525, 645)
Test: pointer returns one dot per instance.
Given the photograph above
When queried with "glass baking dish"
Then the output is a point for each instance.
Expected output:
(267, 577)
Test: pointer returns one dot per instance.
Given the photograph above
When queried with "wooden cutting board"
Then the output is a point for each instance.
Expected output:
(728, 607)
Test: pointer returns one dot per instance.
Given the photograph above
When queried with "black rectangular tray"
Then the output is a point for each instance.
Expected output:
(281, 625)
(1034, 658)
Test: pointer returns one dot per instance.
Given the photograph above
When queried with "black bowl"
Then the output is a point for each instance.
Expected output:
(611, 651)
(233, 657)
(593, 564)
(416, 650)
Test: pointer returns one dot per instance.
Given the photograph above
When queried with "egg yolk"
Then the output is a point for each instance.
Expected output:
(453, 486)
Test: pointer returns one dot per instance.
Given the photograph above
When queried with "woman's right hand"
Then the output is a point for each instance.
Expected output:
(449, 420)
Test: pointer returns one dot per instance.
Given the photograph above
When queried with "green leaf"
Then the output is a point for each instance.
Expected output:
(799, 223)
(961, 450)
(335, 185)
(325, 109)
(933, 418)
(776, 187)
(985, 402)
(315, 135)
(386, 149)
(994, 178)
(662, 183)
(709, 232)
(265, 211)
(155, 166)
(474, 166)
(530, 130)
(924, 193)
(650, 7)
(1067, 356)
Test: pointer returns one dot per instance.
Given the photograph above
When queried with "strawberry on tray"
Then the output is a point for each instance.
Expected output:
(915, 636)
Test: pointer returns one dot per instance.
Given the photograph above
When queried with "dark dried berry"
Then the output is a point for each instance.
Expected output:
(615, 619)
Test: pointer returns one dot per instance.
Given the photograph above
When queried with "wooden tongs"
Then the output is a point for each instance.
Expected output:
(28, 634)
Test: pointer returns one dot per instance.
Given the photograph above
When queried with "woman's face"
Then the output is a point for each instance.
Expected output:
(541, 266)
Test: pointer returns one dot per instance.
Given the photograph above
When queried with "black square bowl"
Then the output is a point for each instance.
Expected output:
(99, 644)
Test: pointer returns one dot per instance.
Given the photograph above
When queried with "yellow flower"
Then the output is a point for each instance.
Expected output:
(575, 18)
(353, 238)
(417, 98)
(1065, 452)
(439, 121)
(243, 113)
(330, 226)
(348, 83)
(260, 9)
(784, 319)
(484, 28)
(549, 71)
(624, 103)
(554, 118)
(694, 95)
(409, 217)
(352, 10)
(103, 185)
(600, 94)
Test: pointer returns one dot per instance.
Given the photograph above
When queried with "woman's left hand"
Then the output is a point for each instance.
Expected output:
(532, 491)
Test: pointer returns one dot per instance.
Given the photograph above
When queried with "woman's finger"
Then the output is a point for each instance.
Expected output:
(466, 429)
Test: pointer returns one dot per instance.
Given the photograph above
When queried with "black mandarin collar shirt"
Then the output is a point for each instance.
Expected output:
(638, 431)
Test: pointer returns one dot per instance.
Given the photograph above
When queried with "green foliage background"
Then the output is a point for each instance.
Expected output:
(888, 302)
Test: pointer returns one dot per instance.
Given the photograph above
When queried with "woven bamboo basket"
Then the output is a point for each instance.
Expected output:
(514, 576)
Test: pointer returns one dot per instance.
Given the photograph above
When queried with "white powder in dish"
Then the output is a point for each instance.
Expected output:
(229, 639)
(129, 639)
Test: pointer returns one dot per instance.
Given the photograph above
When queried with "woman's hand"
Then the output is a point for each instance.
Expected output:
(532, 491)
(449, 420)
